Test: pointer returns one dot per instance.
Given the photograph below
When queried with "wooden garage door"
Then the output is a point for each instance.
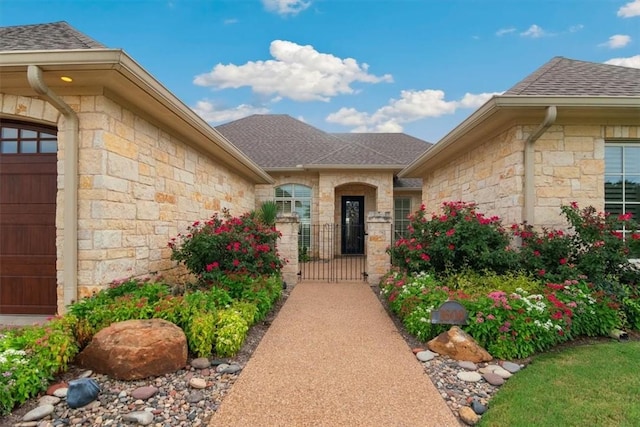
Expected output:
(27, 219)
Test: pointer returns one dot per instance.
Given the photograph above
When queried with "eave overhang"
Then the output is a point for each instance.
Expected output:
(113, 73)
(503, 111)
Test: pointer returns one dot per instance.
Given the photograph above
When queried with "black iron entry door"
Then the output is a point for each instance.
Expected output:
(353, 225)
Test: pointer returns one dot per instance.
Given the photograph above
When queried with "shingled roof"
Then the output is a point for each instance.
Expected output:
(569, 77)
(52, 36)
(280, 141)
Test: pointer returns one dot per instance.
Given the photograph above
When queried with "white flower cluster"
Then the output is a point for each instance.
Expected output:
(534, 302)
(14, 356)
(547, 325)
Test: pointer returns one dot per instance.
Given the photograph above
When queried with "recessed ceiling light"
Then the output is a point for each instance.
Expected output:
(66, 79)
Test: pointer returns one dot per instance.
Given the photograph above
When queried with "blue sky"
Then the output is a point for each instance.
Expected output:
(417, 66)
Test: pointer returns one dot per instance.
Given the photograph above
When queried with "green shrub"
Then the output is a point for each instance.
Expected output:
(230, 332)
(247, 310)
(479, 283)
(31, 356)
(201, 333)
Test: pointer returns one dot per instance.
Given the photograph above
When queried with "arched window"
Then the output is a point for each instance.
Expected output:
(297, 198)
(23, 138)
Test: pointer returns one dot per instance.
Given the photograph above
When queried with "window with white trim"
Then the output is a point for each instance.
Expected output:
(401, 211)
(622, 179)
(296, 198)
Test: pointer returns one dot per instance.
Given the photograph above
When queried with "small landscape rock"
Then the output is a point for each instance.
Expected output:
(231, 369)
(81, 392)
(417, 350)
(195, 397)
(493, 379)
(469, 366)
(478, 407)
(471, 377)
(198, 383)
(503, 373)
(38, 413)
(144, 393)
(141, 417)
(53, 387)
(48, 400)
(425, 356)
(468, 416)
(61, 392)
(200, 363)
(220, 367)
(511, 367)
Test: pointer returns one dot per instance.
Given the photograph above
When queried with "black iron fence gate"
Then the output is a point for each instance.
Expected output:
(332, 252)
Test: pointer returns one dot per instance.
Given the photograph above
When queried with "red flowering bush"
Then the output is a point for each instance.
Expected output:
(458, 238)
(226, 245)
(594, 247)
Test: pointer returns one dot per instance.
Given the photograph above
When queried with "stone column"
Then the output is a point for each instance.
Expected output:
(288, 226)
(378, 239)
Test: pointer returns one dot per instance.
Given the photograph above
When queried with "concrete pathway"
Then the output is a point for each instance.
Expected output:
(333, 357)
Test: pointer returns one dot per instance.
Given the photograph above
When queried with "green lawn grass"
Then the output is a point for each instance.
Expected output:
(588, 385)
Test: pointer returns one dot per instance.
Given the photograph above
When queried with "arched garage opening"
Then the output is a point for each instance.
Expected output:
(28, 175)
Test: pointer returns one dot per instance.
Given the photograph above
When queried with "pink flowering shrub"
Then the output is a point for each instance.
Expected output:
(459, 238)
(226, 245)
(509, 325)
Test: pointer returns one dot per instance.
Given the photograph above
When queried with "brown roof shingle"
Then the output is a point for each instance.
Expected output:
(52, 36)
(569, 77)
(280, 141)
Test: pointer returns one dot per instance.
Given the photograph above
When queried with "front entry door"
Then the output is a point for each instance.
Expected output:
(353, 225)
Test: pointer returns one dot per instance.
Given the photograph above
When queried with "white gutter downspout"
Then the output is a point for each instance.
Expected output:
(70, 184)
(529, 184)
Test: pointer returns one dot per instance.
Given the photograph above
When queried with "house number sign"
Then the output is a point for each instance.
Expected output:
(450, 313)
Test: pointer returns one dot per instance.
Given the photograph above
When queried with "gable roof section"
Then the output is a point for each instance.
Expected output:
(52, 36)
(562, 76)
(399, 146)
(578, 89)
(278, 141)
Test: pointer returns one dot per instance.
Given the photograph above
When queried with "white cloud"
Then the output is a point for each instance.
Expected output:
(501, 32)
(286, 7)
(297, 72)
(534, 32)
(230, 21)
(412, 106)
(617, 41)
(209, 112)
(576, 28)
(471, 100)
(632, 61)
(630, 9)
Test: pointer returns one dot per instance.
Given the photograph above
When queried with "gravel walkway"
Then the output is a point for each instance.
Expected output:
(333, 357)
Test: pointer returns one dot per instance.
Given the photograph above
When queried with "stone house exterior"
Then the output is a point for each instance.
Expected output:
(569, 132)
(99, 171)
(334, 179)
(100, 166)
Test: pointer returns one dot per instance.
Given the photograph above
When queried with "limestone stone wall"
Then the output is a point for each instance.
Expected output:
(490, 174)
(568, 167)
(139, 186)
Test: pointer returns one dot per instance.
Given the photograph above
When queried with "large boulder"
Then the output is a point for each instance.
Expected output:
(459, 345)
(136, 349)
